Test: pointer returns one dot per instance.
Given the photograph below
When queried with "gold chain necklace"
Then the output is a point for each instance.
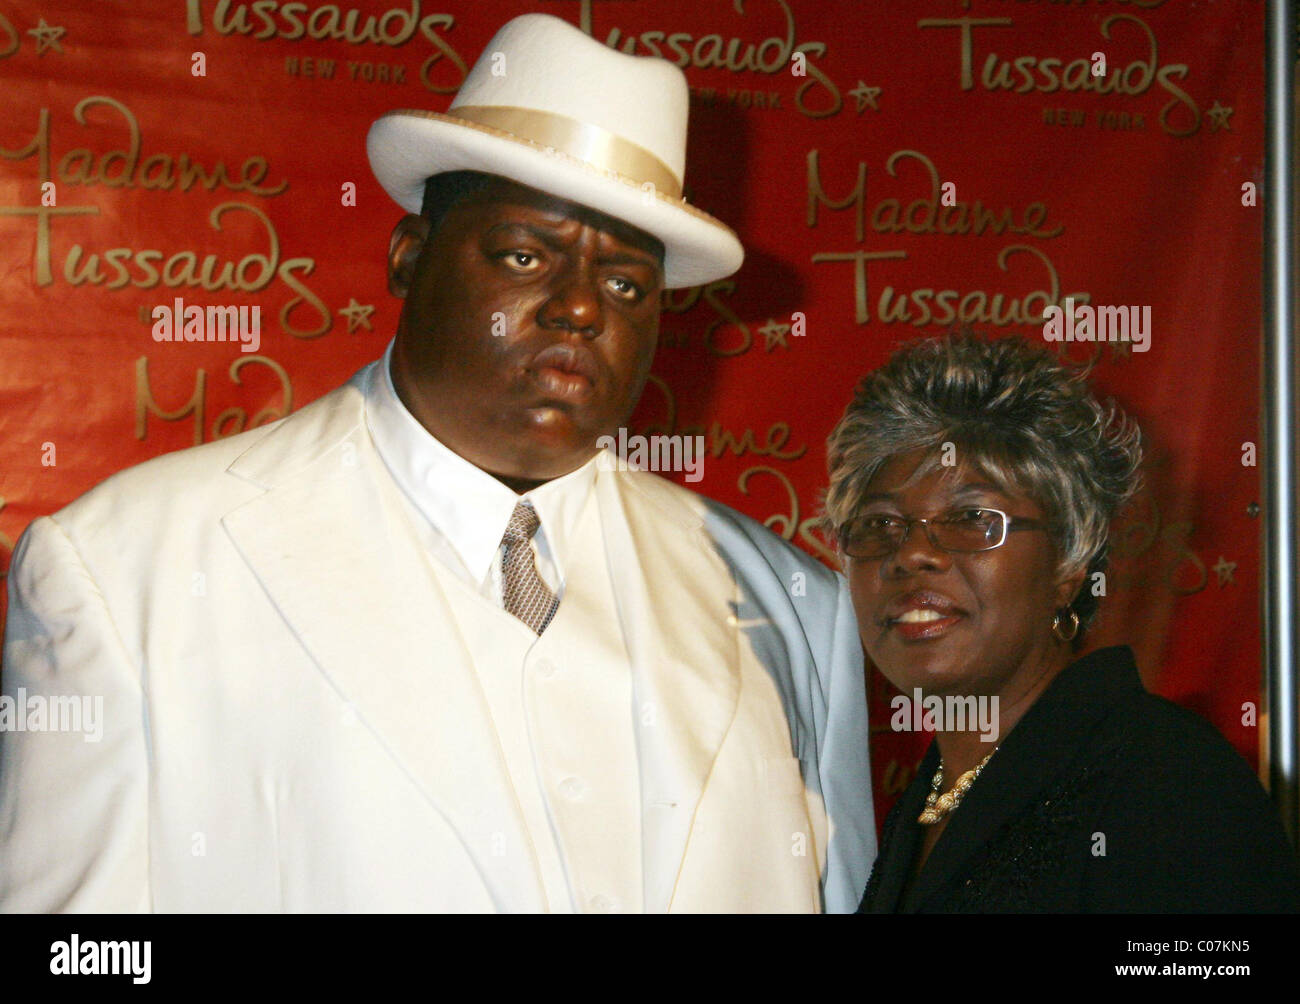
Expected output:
(937, 806)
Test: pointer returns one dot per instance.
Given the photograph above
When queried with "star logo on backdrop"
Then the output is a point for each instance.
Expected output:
(774, 332)
(1218, 117)
(47, 37)
(865, 97)
(357, 315)
(1224, 570)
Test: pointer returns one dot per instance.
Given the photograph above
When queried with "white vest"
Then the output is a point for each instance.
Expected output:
(562, 705)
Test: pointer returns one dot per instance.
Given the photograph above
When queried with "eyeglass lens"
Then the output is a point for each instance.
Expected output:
(963, 530)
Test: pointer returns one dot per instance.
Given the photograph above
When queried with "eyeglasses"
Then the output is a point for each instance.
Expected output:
(961, 531)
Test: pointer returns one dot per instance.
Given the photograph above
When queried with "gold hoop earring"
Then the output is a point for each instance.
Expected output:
(1072, 632)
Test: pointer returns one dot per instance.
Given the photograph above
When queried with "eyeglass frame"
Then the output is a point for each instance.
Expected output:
(1009, 524)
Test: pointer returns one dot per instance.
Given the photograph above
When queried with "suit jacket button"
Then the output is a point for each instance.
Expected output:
(573, 788)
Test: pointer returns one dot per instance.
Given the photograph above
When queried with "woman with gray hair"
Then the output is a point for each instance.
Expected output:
(972, 486)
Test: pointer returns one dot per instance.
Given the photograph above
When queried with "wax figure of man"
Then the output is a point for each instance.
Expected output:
(448, 655)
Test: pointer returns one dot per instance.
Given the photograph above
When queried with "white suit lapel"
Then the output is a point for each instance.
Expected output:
(676, 603)
(344, 568)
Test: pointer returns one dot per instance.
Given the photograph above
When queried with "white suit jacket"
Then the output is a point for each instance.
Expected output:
(290, 721)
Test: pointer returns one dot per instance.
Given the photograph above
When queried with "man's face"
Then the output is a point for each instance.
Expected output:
(529, 328)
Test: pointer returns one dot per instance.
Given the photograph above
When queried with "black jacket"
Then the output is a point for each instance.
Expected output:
(1102, 799)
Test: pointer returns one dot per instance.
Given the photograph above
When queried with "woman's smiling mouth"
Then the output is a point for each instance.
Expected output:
(922, 615)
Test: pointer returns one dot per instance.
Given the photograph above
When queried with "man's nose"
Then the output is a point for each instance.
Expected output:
(917, 552)
(575, 303)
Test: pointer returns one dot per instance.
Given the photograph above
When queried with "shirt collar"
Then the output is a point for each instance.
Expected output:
(468, 506)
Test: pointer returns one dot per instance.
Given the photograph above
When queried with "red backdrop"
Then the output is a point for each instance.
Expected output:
(202, 149)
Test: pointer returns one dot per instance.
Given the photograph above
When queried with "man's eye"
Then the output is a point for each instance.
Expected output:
(625, 288)
(521, 261)
(879, 522)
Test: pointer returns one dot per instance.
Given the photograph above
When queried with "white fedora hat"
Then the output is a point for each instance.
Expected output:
(553, 109)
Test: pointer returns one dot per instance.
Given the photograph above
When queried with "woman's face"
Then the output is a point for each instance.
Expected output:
(960, 623)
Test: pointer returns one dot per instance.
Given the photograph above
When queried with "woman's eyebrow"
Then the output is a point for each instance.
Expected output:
(976, 488)
(966, 490)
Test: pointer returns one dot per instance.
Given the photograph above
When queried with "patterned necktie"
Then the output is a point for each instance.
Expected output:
(526, 595)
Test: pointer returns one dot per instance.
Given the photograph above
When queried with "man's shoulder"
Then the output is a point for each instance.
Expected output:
(739, 538)
(202, 477)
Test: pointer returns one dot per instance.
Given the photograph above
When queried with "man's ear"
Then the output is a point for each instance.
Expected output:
(404, 251)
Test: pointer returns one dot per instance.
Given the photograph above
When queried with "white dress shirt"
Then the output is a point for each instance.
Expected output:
(465, 509)
(460, 514)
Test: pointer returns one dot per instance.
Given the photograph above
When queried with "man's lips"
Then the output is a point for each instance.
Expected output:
(922, 614)
(566, 371)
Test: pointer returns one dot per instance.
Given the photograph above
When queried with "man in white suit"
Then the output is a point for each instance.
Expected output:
(421, 645)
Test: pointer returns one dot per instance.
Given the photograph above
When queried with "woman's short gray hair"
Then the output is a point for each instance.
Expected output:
(1012, 411)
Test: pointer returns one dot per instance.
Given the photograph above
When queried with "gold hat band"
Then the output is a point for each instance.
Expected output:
(580, 140)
